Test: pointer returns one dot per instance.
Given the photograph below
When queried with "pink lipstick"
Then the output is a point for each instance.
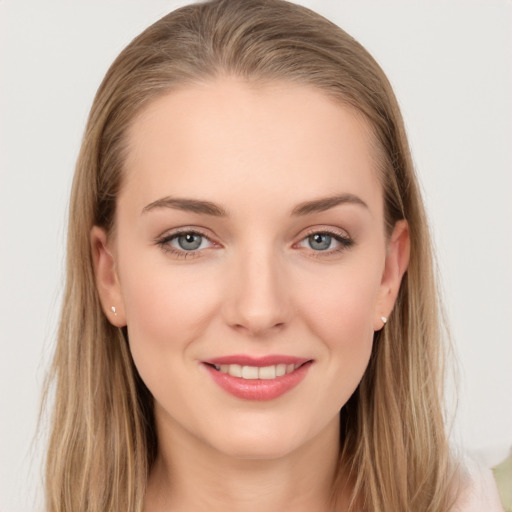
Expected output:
(257, 378)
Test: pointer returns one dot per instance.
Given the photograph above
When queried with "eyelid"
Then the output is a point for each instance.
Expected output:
(341, 233)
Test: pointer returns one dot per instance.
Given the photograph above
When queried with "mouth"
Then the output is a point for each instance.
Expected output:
(256, 372)
(258, 378)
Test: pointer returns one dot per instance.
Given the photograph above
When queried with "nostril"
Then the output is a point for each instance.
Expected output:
(258, 328)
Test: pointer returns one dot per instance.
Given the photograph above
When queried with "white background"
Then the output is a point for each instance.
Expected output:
(450, 64)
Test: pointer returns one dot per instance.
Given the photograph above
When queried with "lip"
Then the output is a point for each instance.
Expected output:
(259, 361)
(258, 389)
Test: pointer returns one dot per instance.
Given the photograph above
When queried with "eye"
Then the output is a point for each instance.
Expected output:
(320, 241)
(326, 242)
(185, 244)
(188, 241)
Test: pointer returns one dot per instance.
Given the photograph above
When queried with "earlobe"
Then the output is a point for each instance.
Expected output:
(397, 261)
(107, 282)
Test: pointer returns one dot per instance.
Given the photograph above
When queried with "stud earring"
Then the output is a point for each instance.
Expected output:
(384, 319)
(113, 308)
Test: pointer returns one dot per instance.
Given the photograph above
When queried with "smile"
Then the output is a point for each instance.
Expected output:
(255, 372)
(258, 379)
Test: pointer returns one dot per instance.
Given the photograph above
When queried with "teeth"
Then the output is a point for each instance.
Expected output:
(249, 372)
(257, 372)
(235, 370)
(280, 370)
(267, 372)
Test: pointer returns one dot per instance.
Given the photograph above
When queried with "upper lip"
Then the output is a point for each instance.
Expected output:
(259, 361)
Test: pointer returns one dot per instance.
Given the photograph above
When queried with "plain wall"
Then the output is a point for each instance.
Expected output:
(450, 65)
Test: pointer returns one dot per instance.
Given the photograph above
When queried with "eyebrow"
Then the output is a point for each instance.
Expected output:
(209, 208)
(326, 203)
(188, 205)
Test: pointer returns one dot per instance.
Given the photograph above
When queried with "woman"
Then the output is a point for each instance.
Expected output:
(250, 318)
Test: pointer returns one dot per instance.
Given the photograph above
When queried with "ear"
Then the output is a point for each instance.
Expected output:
(397, 261)
(107, 282)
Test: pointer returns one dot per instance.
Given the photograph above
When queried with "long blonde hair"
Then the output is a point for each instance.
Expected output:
(103, 440)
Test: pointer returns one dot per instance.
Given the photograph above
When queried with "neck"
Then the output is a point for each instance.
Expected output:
(193, 476)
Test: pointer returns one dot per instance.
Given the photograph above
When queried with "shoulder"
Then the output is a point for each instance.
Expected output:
(478, 492)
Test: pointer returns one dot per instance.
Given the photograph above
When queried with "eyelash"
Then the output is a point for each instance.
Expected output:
(344, 240)
(164, 242)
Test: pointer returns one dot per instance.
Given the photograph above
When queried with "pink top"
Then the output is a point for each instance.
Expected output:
(480, 494)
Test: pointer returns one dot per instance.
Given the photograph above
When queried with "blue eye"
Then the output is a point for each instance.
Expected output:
(189, 241)
(320, 241)
(185, 244)
(326, 242)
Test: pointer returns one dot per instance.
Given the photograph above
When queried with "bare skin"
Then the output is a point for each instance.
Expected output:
(279, 187)
(245, 484)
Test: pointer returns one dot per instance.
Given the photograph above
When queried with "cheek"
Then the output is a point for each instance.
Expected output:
(166, 309)
(341, 306)
(337, 313)
(340, 313)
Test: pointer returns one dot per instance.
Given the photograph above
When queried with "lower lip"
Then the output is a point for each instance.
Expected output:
(258, 389)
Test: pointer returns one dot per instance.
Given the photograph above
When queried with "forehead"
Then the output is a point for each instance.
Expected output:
(276, 141)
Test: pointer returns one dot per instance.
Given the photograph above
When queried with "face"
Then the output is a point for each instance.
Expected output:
(250, 262)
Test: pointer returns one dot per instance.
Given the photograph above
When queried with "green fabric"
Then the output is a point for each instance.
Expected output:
(503, 476)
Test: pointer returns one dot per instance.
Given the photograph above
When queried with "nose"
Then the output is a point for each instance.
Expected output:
(258, 300)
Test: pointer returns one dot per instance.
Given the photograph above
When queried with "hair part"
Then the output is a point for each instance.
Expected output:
(103, 440)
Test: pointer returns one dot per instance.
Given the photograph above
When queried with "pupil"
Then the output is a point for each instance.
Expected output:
(320, 241)
(189, 241)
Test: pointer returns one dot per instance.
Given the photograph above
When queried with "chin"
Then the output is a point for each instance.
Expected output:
(256, 449)
(260, 440)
